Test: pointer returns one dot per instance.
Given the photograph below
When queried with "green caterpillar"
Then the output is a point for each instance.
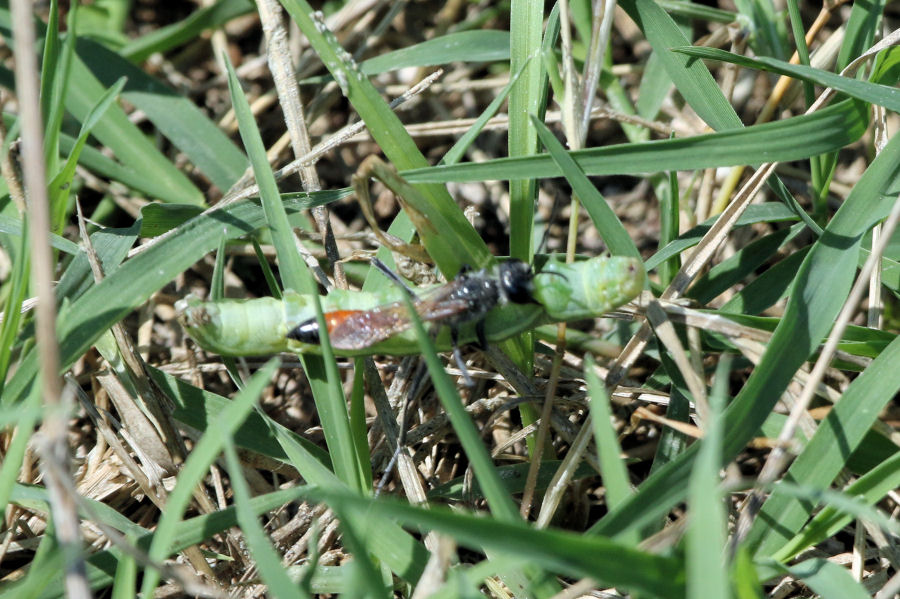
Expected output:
(261, 326)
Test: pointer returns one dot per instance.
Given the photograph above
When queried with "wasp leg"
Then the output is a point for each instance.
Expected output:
(457, 355)
(482, 336)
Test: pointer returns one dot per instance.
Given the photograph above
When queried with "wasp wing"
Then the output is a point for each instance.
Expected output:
(359, 329)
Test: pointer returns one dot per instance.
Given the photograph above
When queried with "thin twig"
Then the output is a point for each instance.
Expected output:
(778, 459)
(282, 70)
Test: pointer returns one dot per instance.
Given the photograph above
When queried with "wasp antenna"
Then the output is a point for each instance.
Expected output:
(386, 271)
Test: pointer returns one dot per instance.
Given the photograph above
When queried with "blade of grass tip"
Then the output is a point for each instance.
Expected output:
(321, 371)
(526, 19)
(705, 539)
(195, 467)
(668, 228)
(455, 153)
(264, 555)
(271, 281)
(691, 77)
(827, 579)
(52, 86)
(60, 187)
(608, 224)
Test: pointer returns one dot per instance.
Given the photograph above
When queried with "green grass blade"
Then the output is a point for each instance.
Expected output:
(13, 226)
(672, 443)
(111, 246)
(364, 575)
(874, 93)
(126, 576)
(463, 46)
(794, 138)
(321, 371)
(17, 287)
(828, 580)
(827, 452)
(271, 281)
(54, 76)
(809, 315)
(60, 185)
(609, 453)
(705, 539)
(186, 30)
(743, 263)
(697, 11)
(527, 97)
(870, 488)
(604, 560)
(24, 417)
(176, 117)
(862, 27)
(495, 493)
(513, 478)
(608, 224)
(264, 555)
(691, 77)
(126, 141)
(195, 467)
